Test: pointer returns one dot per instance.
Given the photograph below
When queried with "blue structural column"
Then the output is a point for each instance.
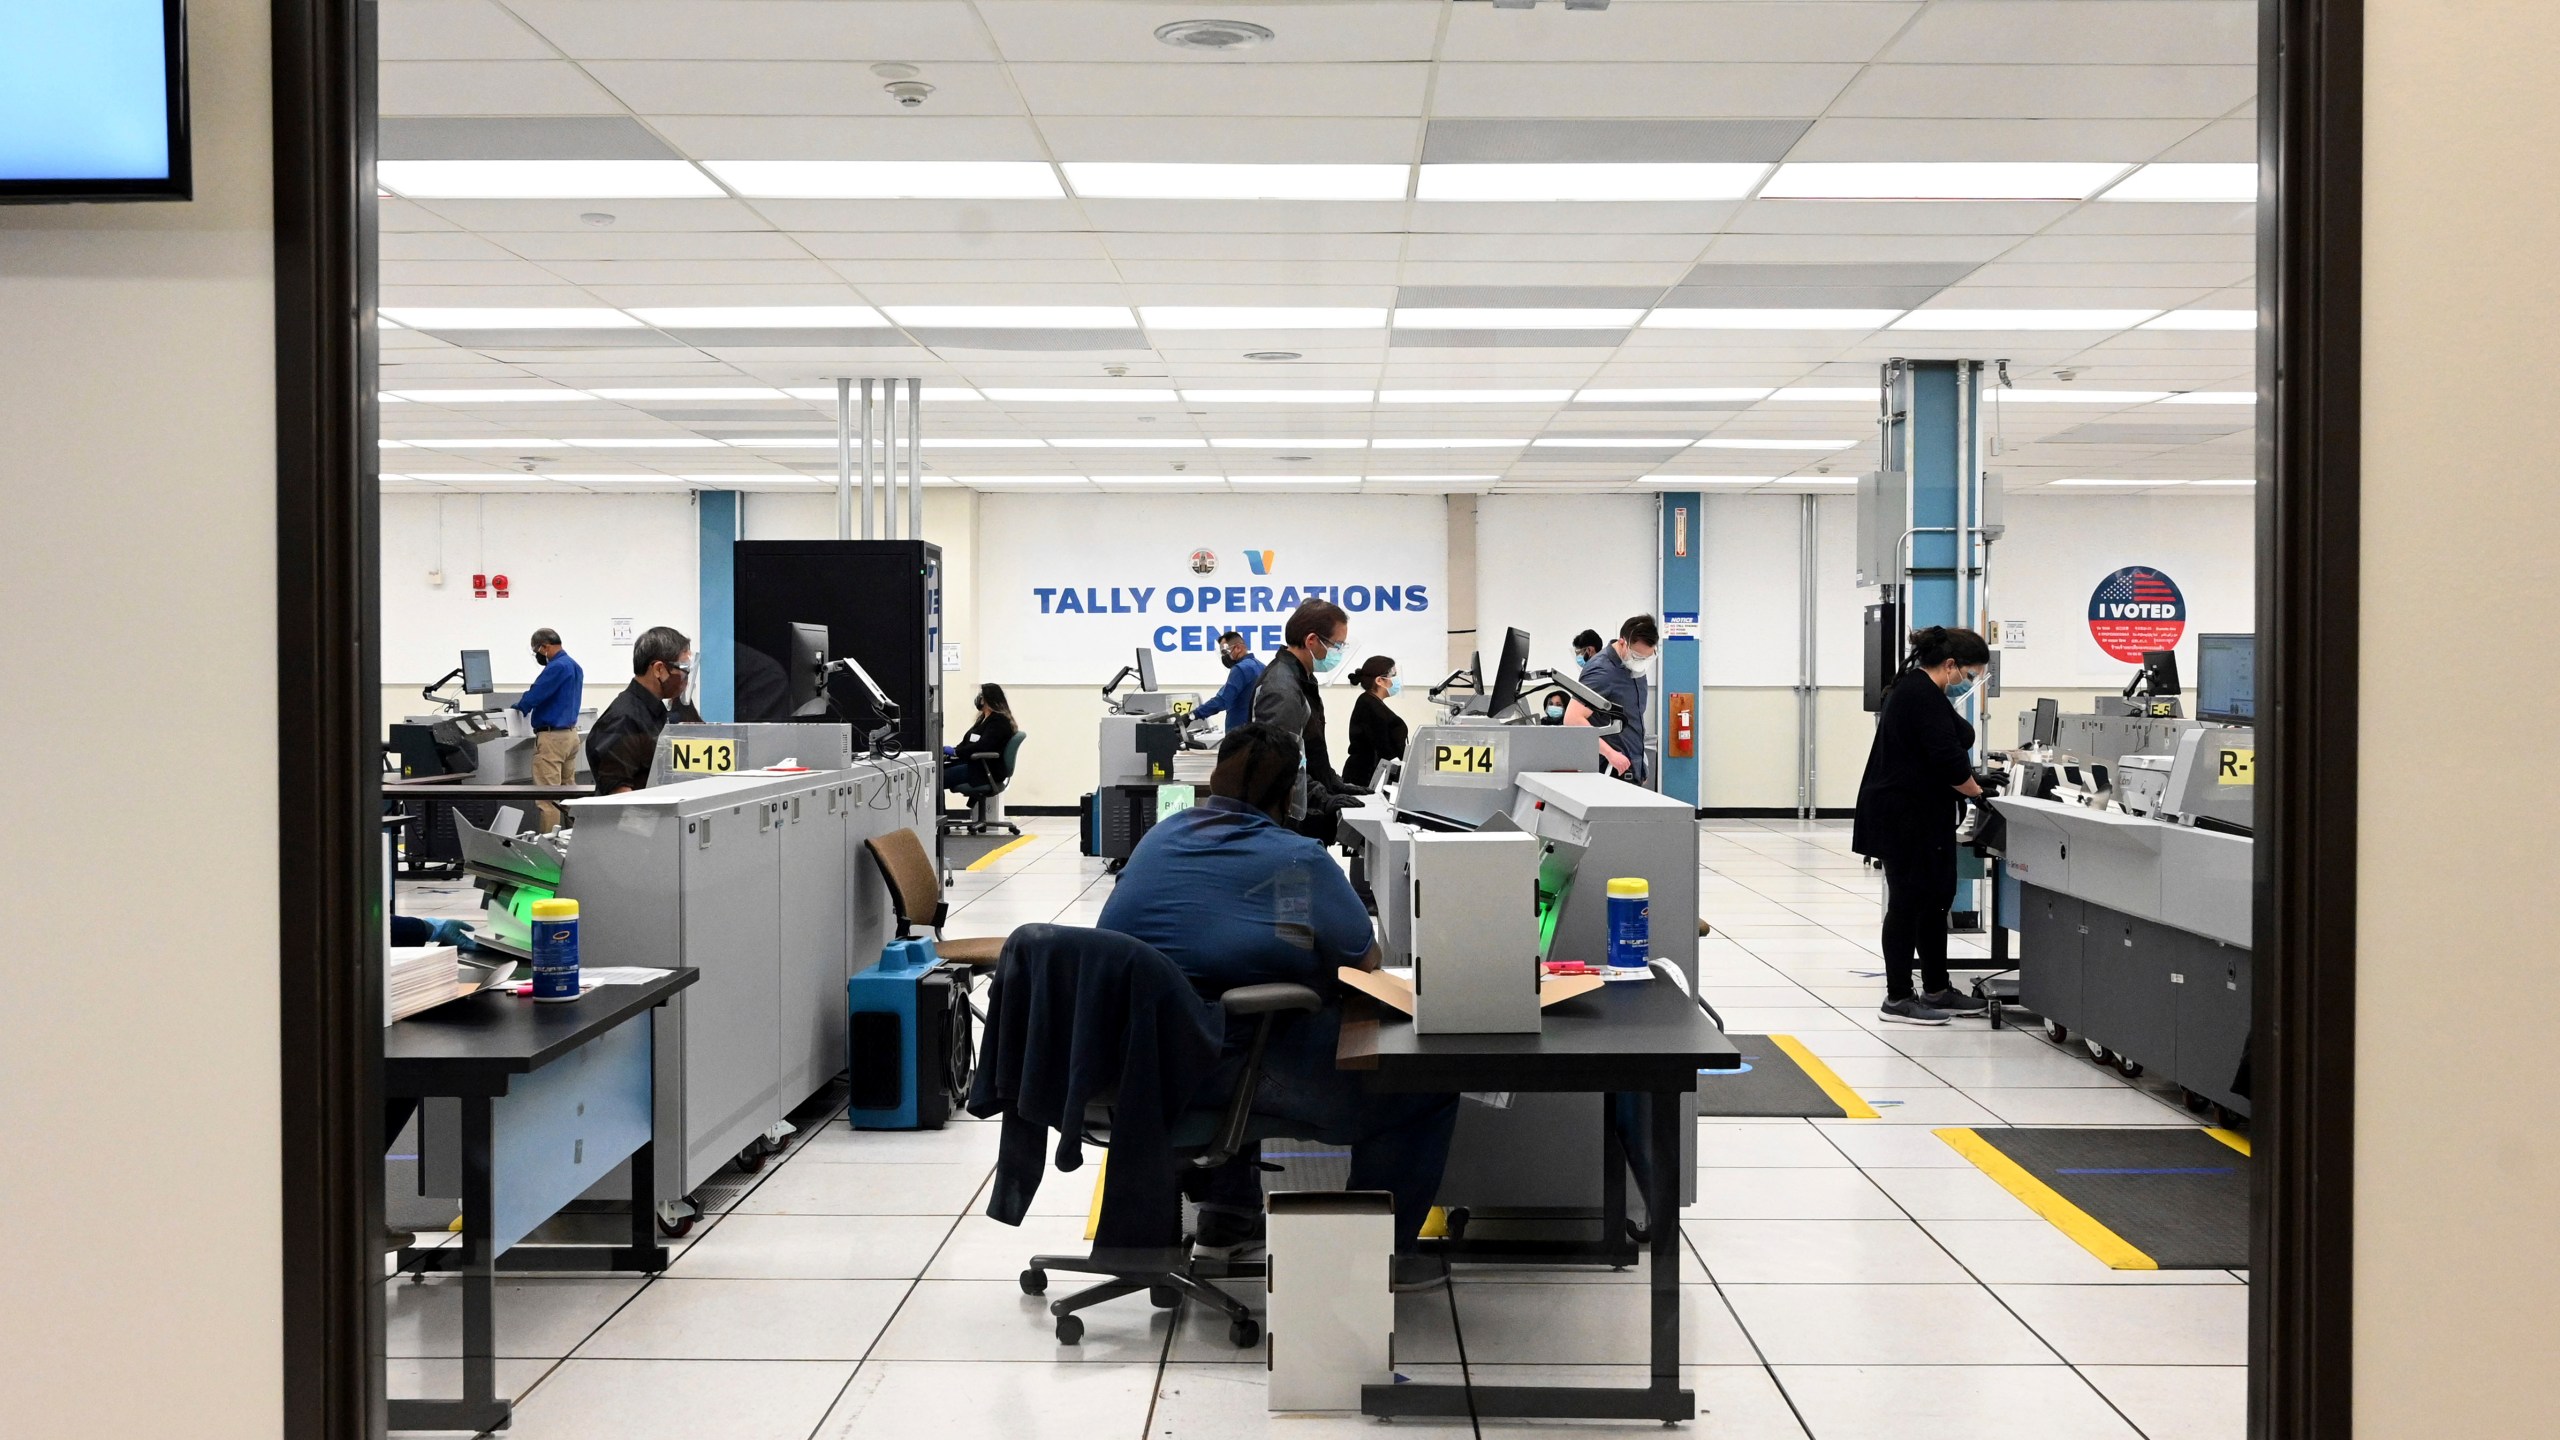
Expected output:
(1933, 433)
(714, 650)
(1681, 665)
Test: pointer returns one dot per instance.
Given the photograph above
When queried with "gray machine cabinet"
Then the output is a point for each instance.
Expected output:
(731, 867)
(2052, 938)
(2213, 1019)
(2131, 1008)
(813, 918)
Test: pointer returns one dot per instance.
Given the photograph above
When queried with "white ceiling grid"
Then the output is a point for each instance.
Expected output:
(1581, 397)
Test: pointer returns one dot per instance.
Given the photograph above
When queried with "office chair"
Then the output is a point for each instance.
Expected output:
(1203, 1139)
(916, 894)
(990, 773)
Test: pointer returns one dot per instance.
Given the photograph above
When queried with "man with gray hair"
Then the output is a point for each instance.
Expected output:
(625, 738)
(552, 706)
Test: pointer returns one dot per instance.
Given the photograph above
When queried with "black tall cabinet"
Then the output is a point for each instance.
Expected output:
(881, 601)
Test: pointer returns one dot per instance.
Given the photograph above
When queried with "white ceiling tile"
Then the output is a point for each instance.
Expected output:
(1696, 30)
(617, 243)
(441, 245)
(2134, 249)
(1162, 273)
(1480, 272)
(869, 273)
(466, 272)
(503, 297)
(1853, 139)
(1253, 245)
(935, 136)
(793, 87)
(1690, 218)
(915, 31)
(1259, 217)
(1567, 89)
(2085, 32)
(1803, 248)
(802, 272)
(2130, 218)
(399, 216)
(490, 216)
(491, 87)
(1903, 217)
(456, 30)
(1223, 89)
(2026, 92)
(1234, 140)
(955, 246)
(1113, 30)
(2008, 272)
(952, 218)
(2226, 142)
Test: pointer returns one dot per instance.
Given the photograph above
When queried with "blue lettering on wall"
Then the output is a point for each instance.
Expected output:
(1044, 592)
(1356, 598)
(1178, 600)
(1161, 642)
(1068, 604)
(1415, 599)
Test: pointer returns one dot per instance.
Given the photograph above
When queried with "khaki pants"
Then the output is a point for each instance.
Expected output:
(555, 762)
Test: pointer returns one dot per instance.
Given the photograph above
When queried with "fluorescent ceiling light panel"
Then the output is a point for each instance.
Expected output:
(2205, 320)
(2178, 180)
(1738, 442)
(1326, 444)
(828, 442)
(1606, 181)
(828, 392)
(1016, 317)
(2222, 482)
(1042, 396)
(2023, 319)
(1302, 482)
(1827, 393)
(1939, 180)
(1024, 482)
(1263, 317)
(546, 179)
(1443, 442)
(392, 444)
(1683, 482)
(485, 397)
(1149, 443)
(1158, 479)
(1474, 397)
(889, 179)
(1475, 318)
(695, 392)
(554, 317)
(1279, 397)
(1436, 479)
(1719, 319)
(1116, 180)
(2119, 482)
(654, 442)
(2079, 397)
(483, 443)
(762, 317)
(1610, 442)
(1671, 395)
(2214, 397)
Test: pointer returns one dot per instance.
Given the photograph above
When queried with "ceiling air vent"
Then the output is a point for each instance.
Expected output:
(1213, 35)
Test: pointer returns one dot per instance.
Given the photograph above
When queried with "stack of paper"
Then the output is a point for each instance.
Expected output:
(417, 976)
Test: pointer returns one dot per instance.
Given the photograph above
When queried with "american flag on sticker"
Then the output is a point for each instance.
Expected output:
(2135, 609)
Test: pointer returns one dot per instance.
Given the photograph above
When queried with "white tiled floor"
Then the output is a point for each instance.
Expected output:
(1844, 1279)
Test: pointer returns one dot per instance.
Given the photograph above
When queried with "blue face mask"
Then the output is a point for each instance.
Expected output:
(1331, 660)
(1395, 686)
(1960, 689)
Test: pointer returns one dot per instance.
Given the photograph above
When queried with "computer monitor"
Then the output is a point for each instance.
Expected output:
(1146, 669)
(475, 673)
(808, 657)
(1508, 672)
(2048, 730)
(2227, 679)
(2159, 674)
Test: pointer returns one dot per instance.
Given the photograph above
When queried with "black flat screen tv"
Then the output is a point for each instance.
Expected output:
(93, 101)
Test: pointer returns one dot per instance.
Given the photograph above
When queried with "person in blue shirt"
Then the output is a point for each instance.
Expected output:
(1244, 671)
(1231, 895)
(552, 705)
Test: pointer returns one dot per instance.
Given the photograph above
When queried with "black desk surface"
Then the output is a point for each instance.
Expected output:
(1625, 1036)
(472, 1045)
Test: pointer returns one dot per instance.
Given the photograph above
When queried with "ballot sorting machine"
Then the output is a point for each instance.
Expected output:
(2127, 874)
(759, 880)
(1140, 735)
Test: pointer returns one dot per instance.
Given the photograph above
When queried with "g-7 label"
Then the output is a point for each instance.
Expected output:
(1462, 759)
(2236, 767)
(702, 757)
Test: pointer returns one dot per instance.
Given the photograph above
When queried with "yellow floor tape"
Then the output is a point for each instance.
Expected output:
(1093, 1215)
(1853, 1105)
(1007, 848)
(2111, 1248)
(2232, 1138)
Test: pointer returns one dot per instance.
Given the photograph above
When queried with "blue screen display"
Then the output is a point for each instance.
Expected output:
(84, 90)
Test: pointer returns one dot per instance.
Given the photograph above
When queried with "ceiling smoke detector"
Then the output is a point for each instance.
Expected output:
(1273, 355)
(597, 218)
(909, 93)
(1293, 457)
(894, 70)
(1215, 36)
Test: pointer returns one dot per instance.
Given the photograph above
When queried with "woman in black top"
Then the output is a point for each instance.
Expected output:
(1377, 733)
(987, 737)
(1907, 815)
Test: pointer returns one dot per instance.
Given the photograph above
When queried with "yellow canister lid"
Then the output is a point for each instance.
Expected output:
(1630, 887)
(562, 909)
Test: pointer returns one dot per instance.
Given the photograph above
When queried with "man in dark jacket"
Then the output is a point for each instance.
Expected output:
(1317, 639)
(625, 739)
(1619, 672)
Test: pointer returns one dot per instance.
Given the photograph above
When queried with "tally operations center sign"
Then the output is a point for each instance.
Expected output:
(2136, 609)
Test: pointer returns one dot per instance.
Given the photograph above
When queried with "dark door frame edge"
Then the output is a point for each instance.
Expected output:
(2302, 1042)
(328, 703)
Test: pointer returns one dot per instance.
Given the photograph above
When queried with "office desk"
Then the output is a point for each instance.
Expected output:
(1630, 1038)
(553, 1098)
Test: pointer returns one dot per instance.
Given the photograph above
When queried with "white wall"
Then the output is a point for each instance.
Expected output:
(138, 1067)
(1556, 565)
(2457, 1161)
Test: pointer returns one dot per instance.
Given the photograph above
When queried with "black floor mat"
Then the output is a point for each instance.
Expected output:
(1774, 1081)
(2178, 1197)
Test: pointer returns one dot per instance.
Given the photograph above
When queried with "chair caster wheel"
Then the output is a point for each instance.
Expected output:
(1244, 1334)
(1035, 1282)
(1070, 1330)
(1163, 1297)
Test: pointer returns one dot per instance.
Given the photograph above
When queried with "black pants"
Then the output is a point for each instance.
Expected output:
(1919, 885)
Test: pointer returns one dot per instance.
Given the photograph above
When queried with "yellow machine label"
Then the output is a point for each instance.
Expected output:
(702, 757)
(1462, 759)
(2236, 767)
(1182, 709)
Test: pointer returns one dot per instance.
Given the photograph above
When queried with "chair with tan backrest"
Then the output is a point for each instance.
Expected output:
(916, 891)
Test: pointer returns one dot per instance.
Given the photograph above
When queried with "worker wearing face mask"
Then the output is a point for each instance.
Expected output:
(1622, 672)
(1314, 642)
(1552, 712)
(1377, 731)
(1921, 761)
(1235, 698)
(551, 706)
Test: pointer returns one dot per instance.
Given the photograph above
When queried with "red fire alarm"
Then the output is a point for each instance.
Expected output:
(499, 584)
(479, 587)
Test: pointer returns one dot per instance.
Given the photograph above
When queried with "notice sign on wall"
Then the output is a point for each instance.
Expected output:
(2136, 609)
(1072, 586)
